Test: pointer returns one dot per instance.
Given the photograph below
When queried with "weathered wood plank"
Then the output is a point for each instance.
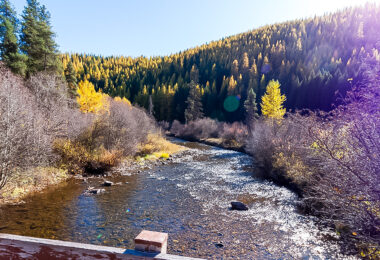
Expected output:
(22, 247)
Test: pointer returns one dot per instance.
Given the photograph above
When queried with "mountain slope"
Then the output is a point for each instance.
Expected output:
(312, 58)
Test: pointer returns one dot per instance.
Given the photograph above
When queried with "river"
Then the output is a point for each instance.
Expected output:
(188, 198)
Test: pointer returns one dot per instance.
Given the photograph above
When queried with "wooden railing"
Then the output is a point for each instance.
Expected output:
(148, 245)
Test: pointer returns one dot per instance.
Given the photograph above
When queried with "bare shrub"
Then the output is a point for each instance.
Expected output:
(346, 164)
(40, 124)
(274, 145)
(234, 134)
(126, 127)
(196, 130)
(334, 160)
(33, 115)
(15, 123)
(177, 128)
(165, 125)
(114, 134)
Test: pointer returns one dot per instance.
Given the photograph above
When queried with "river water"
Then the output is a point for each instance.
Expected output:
(188, 198)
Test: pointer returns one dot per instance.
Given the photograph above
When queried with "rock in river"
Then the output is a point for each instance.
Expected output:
(97, 191)
(108, 183)
(92, 190)
(236, 205)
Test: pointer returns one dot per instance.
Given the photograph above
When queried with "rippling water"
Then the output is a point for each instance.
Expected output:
(189, 199)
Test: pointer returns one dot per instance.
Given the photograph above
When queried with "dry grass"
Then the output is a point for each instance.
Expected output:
(158, 146)
(23, 183)
(77, 158)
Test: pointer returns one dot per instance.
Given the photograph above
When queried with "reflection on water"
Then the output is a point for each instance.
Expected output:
(189, 199)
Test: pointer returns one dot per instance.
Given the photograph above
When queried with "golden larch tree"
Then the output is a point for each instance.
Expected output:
(91, 101)
(272, 101)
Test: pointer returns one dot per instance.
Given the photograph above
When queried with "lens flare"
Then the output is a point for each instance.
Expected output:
(231, 103)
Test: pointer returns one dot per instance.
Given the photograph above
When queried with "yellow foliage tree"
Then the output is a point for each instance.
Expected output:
(91, 101)
(272, 101)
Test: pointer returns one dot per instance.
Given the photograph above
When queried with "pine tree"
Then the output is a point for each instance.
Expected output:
(71, 79)
(37, 39)
(9, 48)
(272, 101)
(194, 74)
(10, 51)
(251, 107)
(8, 11)
(194, 108)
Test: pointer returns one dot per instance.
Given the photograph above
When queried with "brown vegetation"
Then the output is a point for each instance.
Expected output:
(332, 159)
(42, 131)
(33, 114)
(213, 132)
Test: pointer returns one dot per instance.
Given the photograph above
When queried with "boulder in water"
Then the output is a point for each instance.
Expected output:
(236, 205)
(92, 190)
(97, 191)
(107, 183)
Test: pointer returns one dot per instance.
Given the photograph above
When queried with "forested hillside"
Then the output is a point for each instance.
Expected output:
(313, 59)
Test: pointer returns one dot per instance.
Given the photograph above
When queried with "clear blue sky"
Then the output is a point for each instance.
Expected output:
(161, 27)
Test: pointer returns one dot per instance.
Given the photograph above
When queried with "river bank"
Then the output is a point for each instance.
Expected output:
(25, 183)
(34, 180)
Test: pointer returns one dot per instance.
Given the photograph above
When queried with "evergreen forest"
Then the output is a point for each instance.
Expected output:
(315, 60)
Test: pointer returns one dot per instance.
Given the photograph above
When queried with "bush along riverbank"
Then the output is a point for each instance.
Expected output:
(211, 132)
(332, 160)
(47, 136)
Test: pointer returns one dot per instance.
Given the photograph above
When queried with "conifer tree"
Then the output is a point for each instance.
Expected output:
(9, 48)
(71, 79)
(194, 108)
(194, 74)
(251, 107)
(245, 62)
(231, 86)
(272, 101)
(37, 39)
(7, 11)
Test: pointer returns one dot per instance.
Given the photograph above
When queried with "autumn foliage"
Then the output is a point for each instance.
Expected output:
(272, 101)
(118, 130)
(91, 101)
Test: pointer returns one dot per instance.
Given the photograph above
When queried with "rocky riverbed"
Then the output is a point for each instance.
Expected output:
(188, 196)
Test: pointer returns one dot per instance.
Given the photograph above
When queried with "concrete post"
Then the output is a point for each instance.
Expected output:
(150, 241)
